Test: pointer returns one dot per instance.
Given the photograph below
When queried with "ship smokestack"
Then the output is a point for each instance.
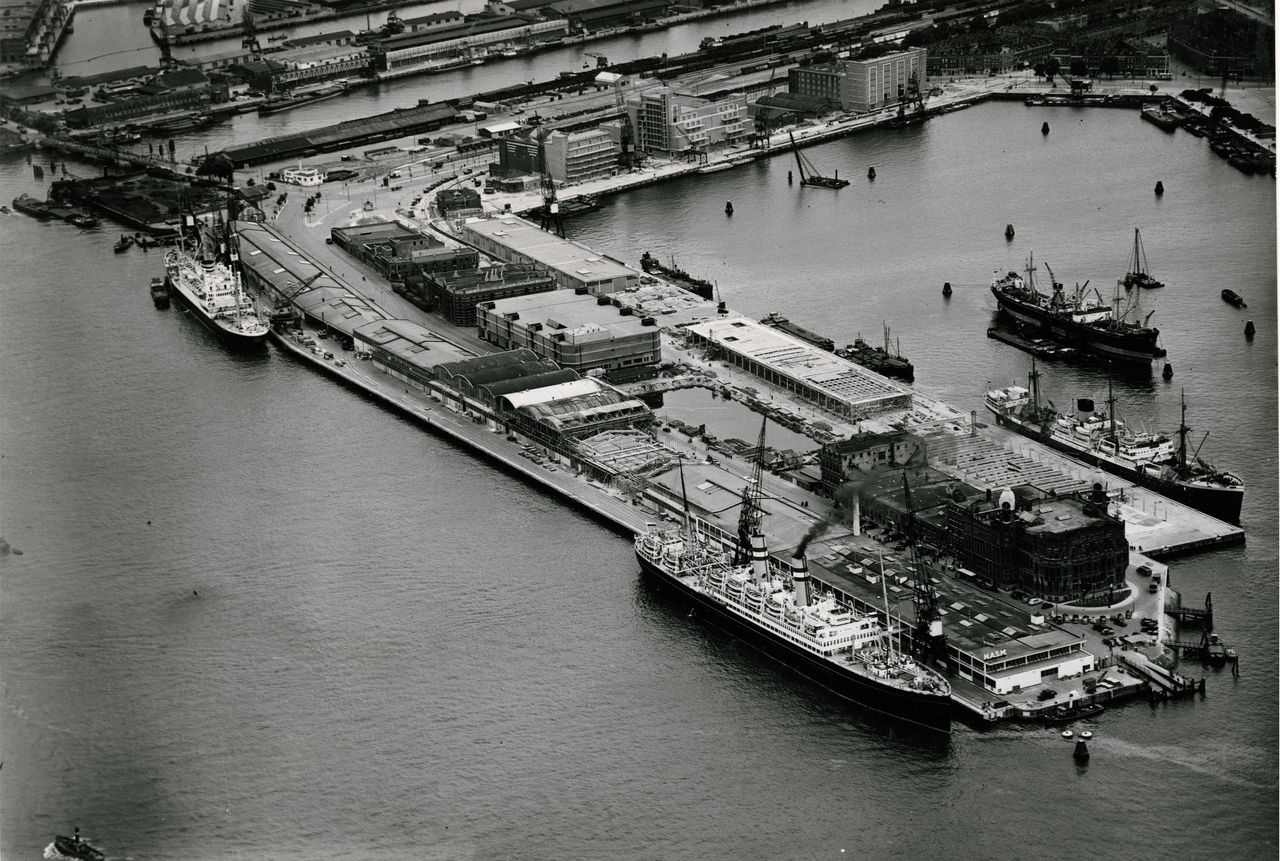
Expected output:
(800, 578)
(759, 558)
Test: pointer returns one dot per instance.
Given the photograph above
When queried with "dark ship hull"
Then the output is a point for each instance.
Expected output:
(1128, 345)
(929, 711)
(1220, 501)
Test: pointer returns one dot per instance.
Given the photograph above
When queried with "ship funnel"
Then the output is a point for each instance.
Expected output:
(759, 558)
(800, 580)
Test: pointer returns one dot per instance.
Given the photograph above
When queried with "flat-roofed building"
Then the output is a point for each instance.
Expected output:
(1063, 548)
(406, 350)
(399, 253)
(835, 384)
(456, 294)
(573, 329)
(408, 51)
(861, 85)
(581, 156)
(514, 240)
(671, 122)
(459, 202)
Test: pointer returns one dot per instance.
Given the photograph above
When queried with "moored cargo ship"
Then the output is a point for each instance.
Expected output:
(1091, 327)
(205, 278)
(849, 653)
(1152, 460)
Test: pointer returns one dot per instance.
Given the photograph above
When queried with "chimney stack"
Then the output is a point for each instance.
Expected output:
(857, 514)
(759, 558)
(800, 579)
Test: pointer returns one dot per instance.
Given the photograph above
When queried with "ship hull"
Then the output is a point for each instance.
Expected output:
(236, 340)
(1127, 348)
(930, 712)
(1224, 503)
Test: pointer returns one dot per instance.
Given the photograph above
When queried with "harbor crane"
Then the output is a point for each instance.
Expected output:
(929, 639)
(750, 513)
(809, 174)
(550, 206)
(601, 60)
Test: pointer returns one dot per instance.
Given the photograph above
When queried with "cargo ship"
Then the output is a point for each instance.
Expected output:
(847, 652)
(887, 361)
(205, 278)
(1152, 460)
(284, 103)
(700, 287)
(1092, 327)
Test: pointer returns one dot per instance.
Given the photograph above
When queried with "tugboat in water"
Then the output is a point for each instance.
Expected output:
(1076, 321)
(75, 847)
(123, 244)
(159, 293)
(1231, 297)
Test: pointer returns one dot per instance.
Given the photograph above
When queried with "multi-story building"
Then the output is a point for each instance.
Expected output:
(580, 156)
(401, 254)
(456, 294)
(573, 266)
(845, 459)
(460, 202)
(1065, 549)
(573, 329)
(861, 85)
(670, 122)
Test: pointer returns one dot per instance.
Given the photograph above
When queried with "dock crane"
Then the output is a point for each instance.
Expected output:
(249, 39)
(929, 639)
(749, 515)
(550, 206)
(601, 60)
(809, 174)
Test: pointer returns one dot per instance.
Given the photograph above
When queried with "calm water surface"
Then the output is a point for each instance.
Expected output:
(397, 652)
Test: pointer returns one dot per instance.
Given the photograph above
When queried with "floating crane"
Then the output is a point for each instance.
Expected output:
(809, 174)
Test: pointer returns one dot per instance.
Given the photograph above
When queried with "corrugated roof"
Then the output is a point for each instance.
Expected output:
(548, 394)
(493, 360)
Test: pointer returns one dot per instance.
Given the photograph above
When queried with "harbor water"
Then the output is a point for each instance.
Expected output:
(259, 616)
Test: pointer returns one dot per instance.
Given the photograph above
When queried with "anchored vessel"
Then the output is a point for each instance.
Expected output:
(1138, 276)
(206, 279)
(1089, 326)
(845, 651)
(1152, 460)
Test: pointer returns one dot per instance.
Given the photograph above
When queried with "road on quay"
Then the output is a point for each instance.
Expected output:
(308, 233)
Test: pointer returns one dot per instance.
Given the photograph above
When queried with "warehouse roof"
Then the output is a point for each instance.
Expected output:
(568, 311)
(274, 259)
(524, 237)
(814, 368)
(409, 341)
(548, 394)
(493, 360)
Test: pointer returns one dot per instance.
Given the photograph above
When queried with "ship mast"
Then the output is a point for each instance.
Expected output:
(1182, 434)
(1033, 381)
(1111, 407)
(884, 594)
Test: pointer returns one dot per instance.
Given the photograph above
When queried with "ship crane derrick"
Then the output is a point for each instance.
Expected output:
(551, 220)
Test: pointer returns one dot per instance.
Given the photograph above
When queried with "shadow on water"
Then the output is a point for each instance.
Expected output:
(674, 613)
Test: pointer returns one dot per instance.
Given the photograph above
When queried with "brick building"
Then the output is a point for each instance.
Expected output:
(456, 294)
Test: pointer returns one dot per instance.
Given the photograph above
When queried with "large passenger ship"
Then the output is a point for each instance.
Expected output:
(1153, 460)
(847, 652)
(1089, 326)
(203, 273)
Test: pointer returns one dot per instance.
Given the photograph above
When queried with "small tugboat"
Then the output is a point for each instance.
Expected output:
(1231, 297)
(159, 292)
(1008, 231)
(728, 208)
(1044, 129)
(76, 847)
(123, 244)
